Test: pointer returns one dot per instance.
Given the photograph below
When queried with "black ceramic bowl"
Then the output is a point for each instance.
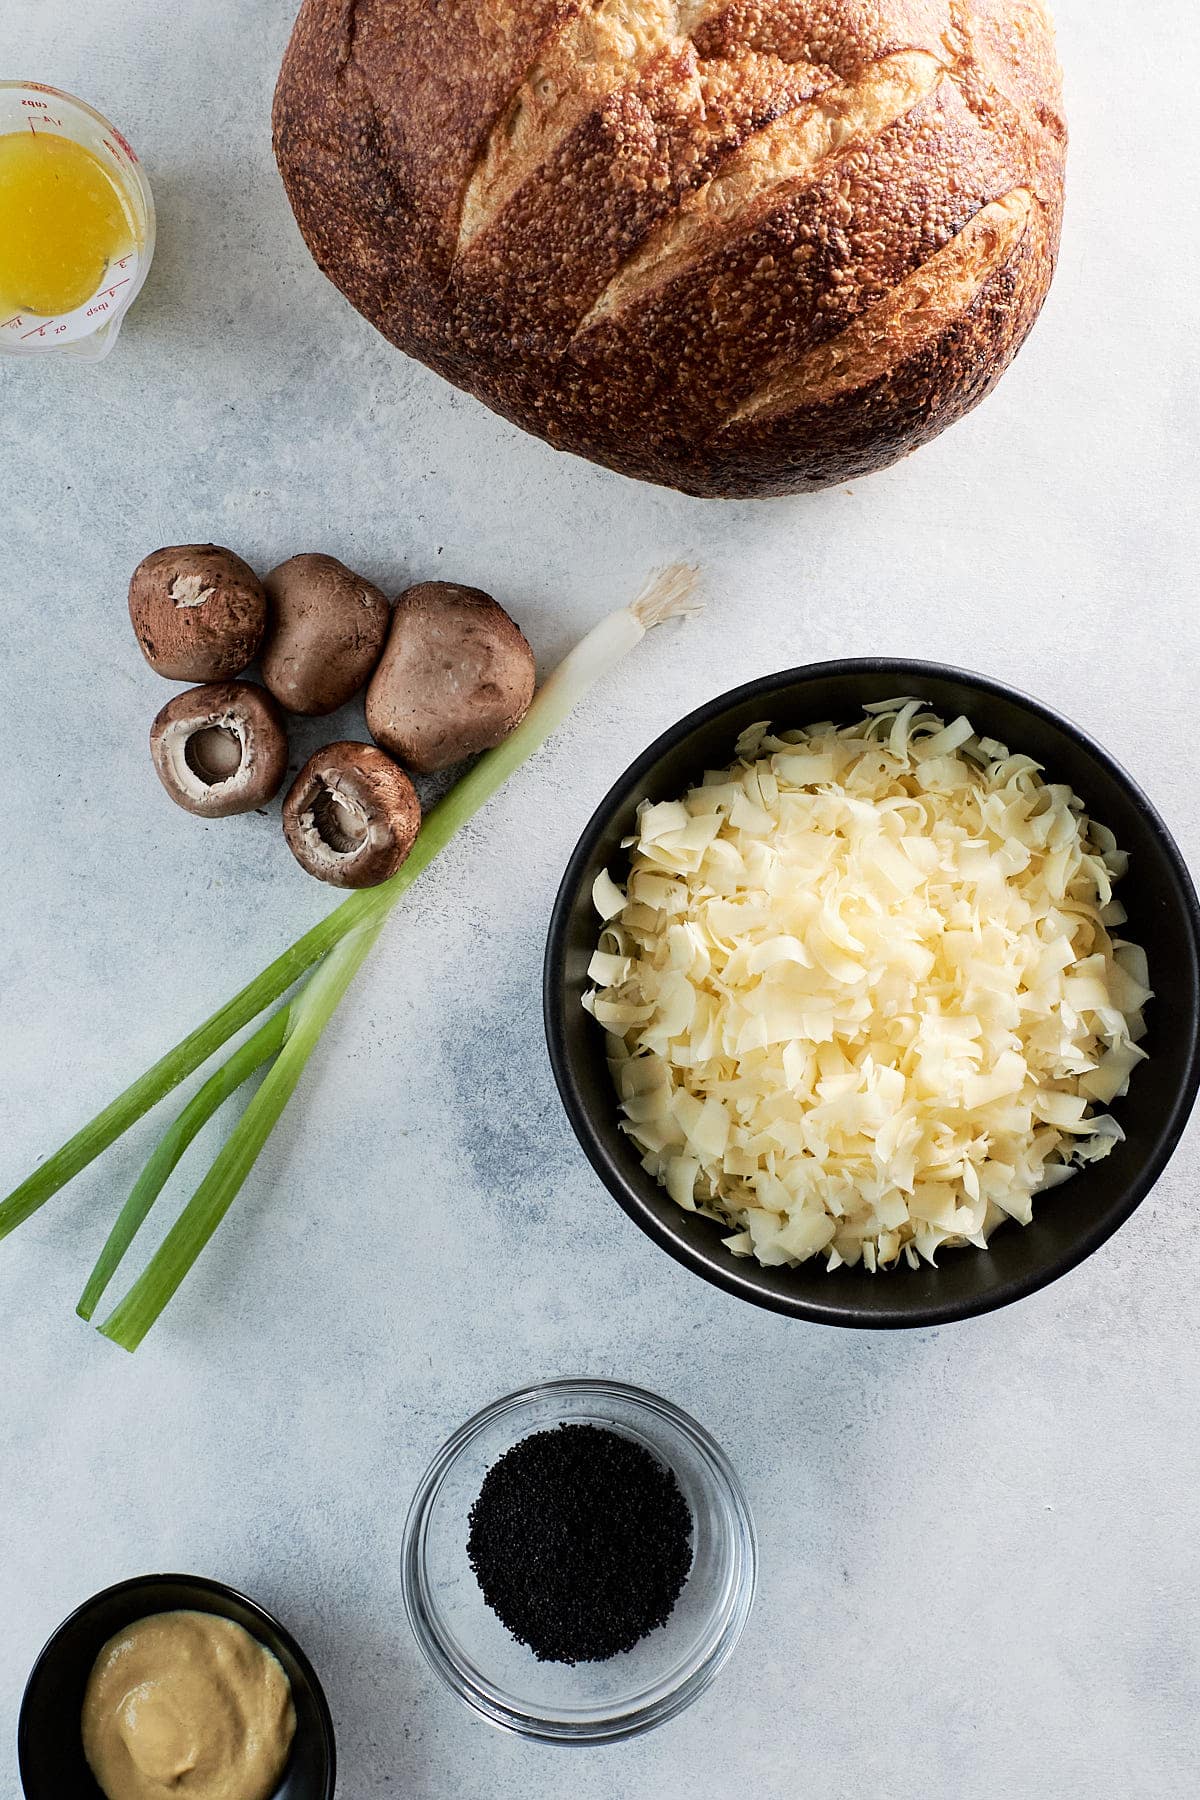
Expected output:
(1163, 916)
(49, 1742)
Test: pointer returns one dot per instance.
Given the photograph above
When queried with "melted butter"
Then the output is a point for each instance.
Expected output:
(64, 220)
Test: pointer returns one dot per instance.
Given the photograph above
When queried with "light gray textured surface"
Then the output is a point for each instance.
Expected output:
(979, 1549)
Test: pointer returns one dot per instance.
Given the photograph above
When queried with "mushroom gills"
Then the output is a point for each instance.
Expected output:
(220, 749)
(338, 820)
(207, 754)
(351, 816)
(214, 753)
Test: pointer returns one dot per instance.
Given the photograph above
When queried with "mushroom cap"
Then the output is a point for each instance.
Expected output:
(456, 676)
(199, 612)
(220, 749)
(351, 816)
(325, 631)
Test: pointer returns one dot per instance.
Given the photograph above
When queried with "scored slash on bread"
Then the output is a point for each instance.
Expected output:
(774, 162)
(737, 246)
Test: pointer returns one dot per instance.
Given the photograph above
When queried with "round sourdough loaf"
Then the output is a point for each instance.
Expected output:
(737, 246)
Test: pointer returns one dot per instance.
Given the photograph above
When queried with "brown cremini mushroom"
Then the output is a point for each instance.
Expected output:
(456, 676)
(220, 749)
(351, 816)
(325, 630)
(198, 610)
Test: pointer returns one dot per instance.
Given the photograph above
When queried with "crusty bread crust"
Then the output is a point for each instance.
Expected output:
(740, 247)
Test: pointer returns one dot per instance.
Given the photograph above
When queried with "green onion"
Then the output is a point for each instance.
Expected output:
(310, 1014)
(200, 1108)
(167, 1073)
(337, 947)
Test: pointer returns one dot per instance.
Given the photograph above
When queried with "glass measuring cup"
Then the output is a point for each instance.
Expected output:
(89, 330)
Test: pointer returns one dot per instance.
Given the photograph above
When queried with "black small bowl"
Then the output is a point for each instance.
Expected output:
(1069, 1223)
(49, 1740)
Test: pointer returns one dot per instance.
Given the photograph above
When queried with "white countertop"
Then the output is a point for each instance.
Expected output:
(979, 1545)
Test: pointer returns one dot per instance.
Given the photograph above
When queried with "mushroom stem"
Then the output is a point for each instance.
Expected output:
(249, 1056)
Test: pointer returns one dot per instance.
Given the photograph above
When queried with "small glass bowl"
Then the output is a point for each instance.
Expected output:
(500, 1679)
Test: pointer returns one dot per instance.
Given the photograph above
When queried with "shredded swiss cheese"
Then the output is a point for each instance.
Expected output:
(862, 989)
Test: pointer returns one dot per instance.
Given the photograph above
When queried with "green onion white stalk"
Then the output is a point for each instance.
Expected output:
(333, 951)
